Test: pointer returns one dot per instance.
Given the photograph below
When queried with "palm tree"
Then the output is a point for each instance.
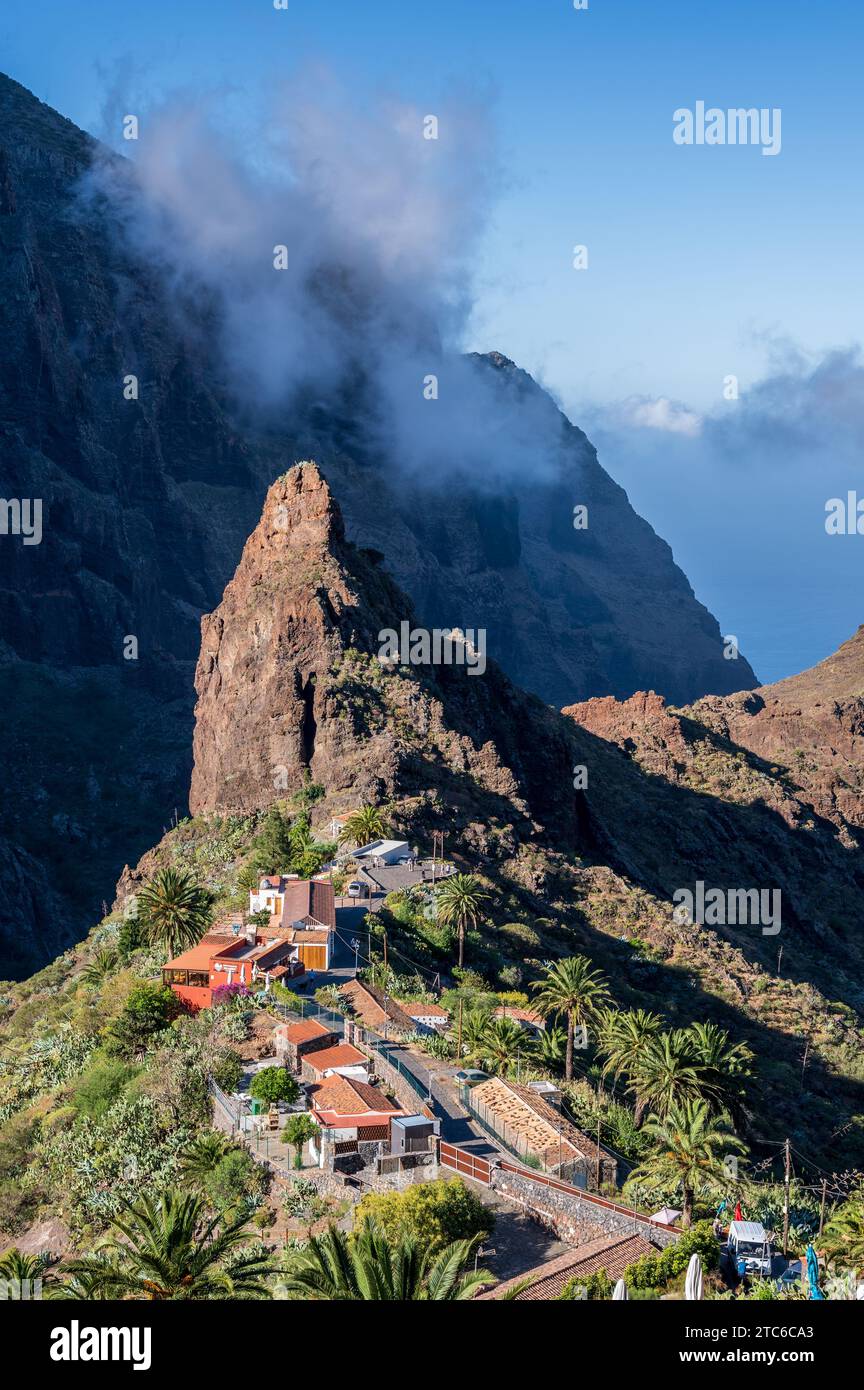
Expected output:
(458, 901)
(623, 1037)
(503, 1039)
(724, 1067)
(474, 1025)
(571, 989)
(171, 1249)
(666, 1072)
(299, 1128)
(844, 1234)
(551, 1045)
(201, 1156)
(363, 826)
(20, 1271)
(103, 964)
(690, 1145)
(370, 1268)
(173, 910)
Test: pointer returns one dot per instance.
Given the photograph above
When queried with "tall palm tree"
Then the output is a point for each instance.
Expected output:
(502, 1041)
(458, 902)
(688, 1157)
(623, 1037)
(666, 1072)
(725, 1067)
(173, 910)
(363, 826)
(573, 990)
(370, 1268)
(172, 1249)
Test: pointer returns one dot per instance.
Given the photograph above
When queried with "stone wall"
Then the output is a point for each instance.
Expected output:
(571, 1216)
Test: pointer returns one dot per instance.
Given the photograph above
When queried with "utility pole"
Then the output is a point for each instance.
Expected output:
(779, 958)
(599, 1167)
(786, 1180)
(804, 1058)
(822, 1208)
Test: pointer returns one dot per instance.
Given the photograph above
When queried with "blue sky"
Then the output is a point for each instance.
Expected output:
(703, 262)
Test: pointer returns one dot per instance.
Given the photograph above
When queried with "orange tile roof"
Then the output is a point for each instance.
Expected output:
(521, 1015)
(422, 1010)
(197, 957)
(612, 1253)
(544, 1130)
(304, 1031)
(342, 1055)
(342, 1095)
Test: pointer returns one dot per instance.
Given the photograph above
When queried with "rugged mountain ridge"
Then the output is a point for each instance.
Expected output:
(146, 506)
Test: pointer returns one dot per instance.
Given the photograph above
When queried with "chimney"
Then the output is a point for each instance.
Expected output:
(250, 933)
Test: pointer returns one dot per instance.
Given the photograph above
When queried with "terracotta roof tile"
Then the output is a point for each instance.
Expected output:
(612, 1253)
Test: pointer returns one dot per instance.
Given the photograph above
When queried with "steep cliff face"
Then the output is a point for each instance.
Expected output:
(290, 685)
(147, 504)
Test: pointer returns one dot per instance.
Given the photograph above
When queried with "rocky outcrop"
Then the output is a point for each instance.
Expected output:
(810, 725)
(290, 686)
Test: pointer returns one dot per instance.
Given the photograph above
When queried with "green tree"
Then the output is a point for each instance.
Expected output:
(272, 1084)
(623, 1038)
(844, 1234)
(573, 990)
(148, 1010)
(370, 1268)
(552, 1045)
(666, 1072)
(458, 901)
(433, 1213)
(174, 912)
(724, 1068)
(272, 849)
(503, 1041)
(363, 826)
(691, 1144)
(297, 1132)
(171, 1249)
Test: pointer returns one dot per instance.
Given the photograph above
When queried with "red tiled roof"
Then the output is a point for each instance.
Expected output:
(304, 1031)
(421, 1010)
(342, 1055)
(521, 1015)
(612, 1253)
(343, 1095)
(368, 1004)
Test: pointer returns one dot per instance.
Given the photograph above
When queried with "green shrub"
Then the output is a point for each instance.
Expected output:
(272, 1084)
(436, 1213)
(655, 1271)
(228, 1071)
(101, 1085)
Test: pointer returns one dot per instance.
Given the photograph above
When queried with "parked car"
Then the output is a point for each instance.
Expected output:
(356, 889)
(470, 1076)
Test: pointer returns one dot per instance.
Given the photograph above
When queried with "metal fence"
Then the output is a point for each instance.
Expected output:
(569, 1169)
